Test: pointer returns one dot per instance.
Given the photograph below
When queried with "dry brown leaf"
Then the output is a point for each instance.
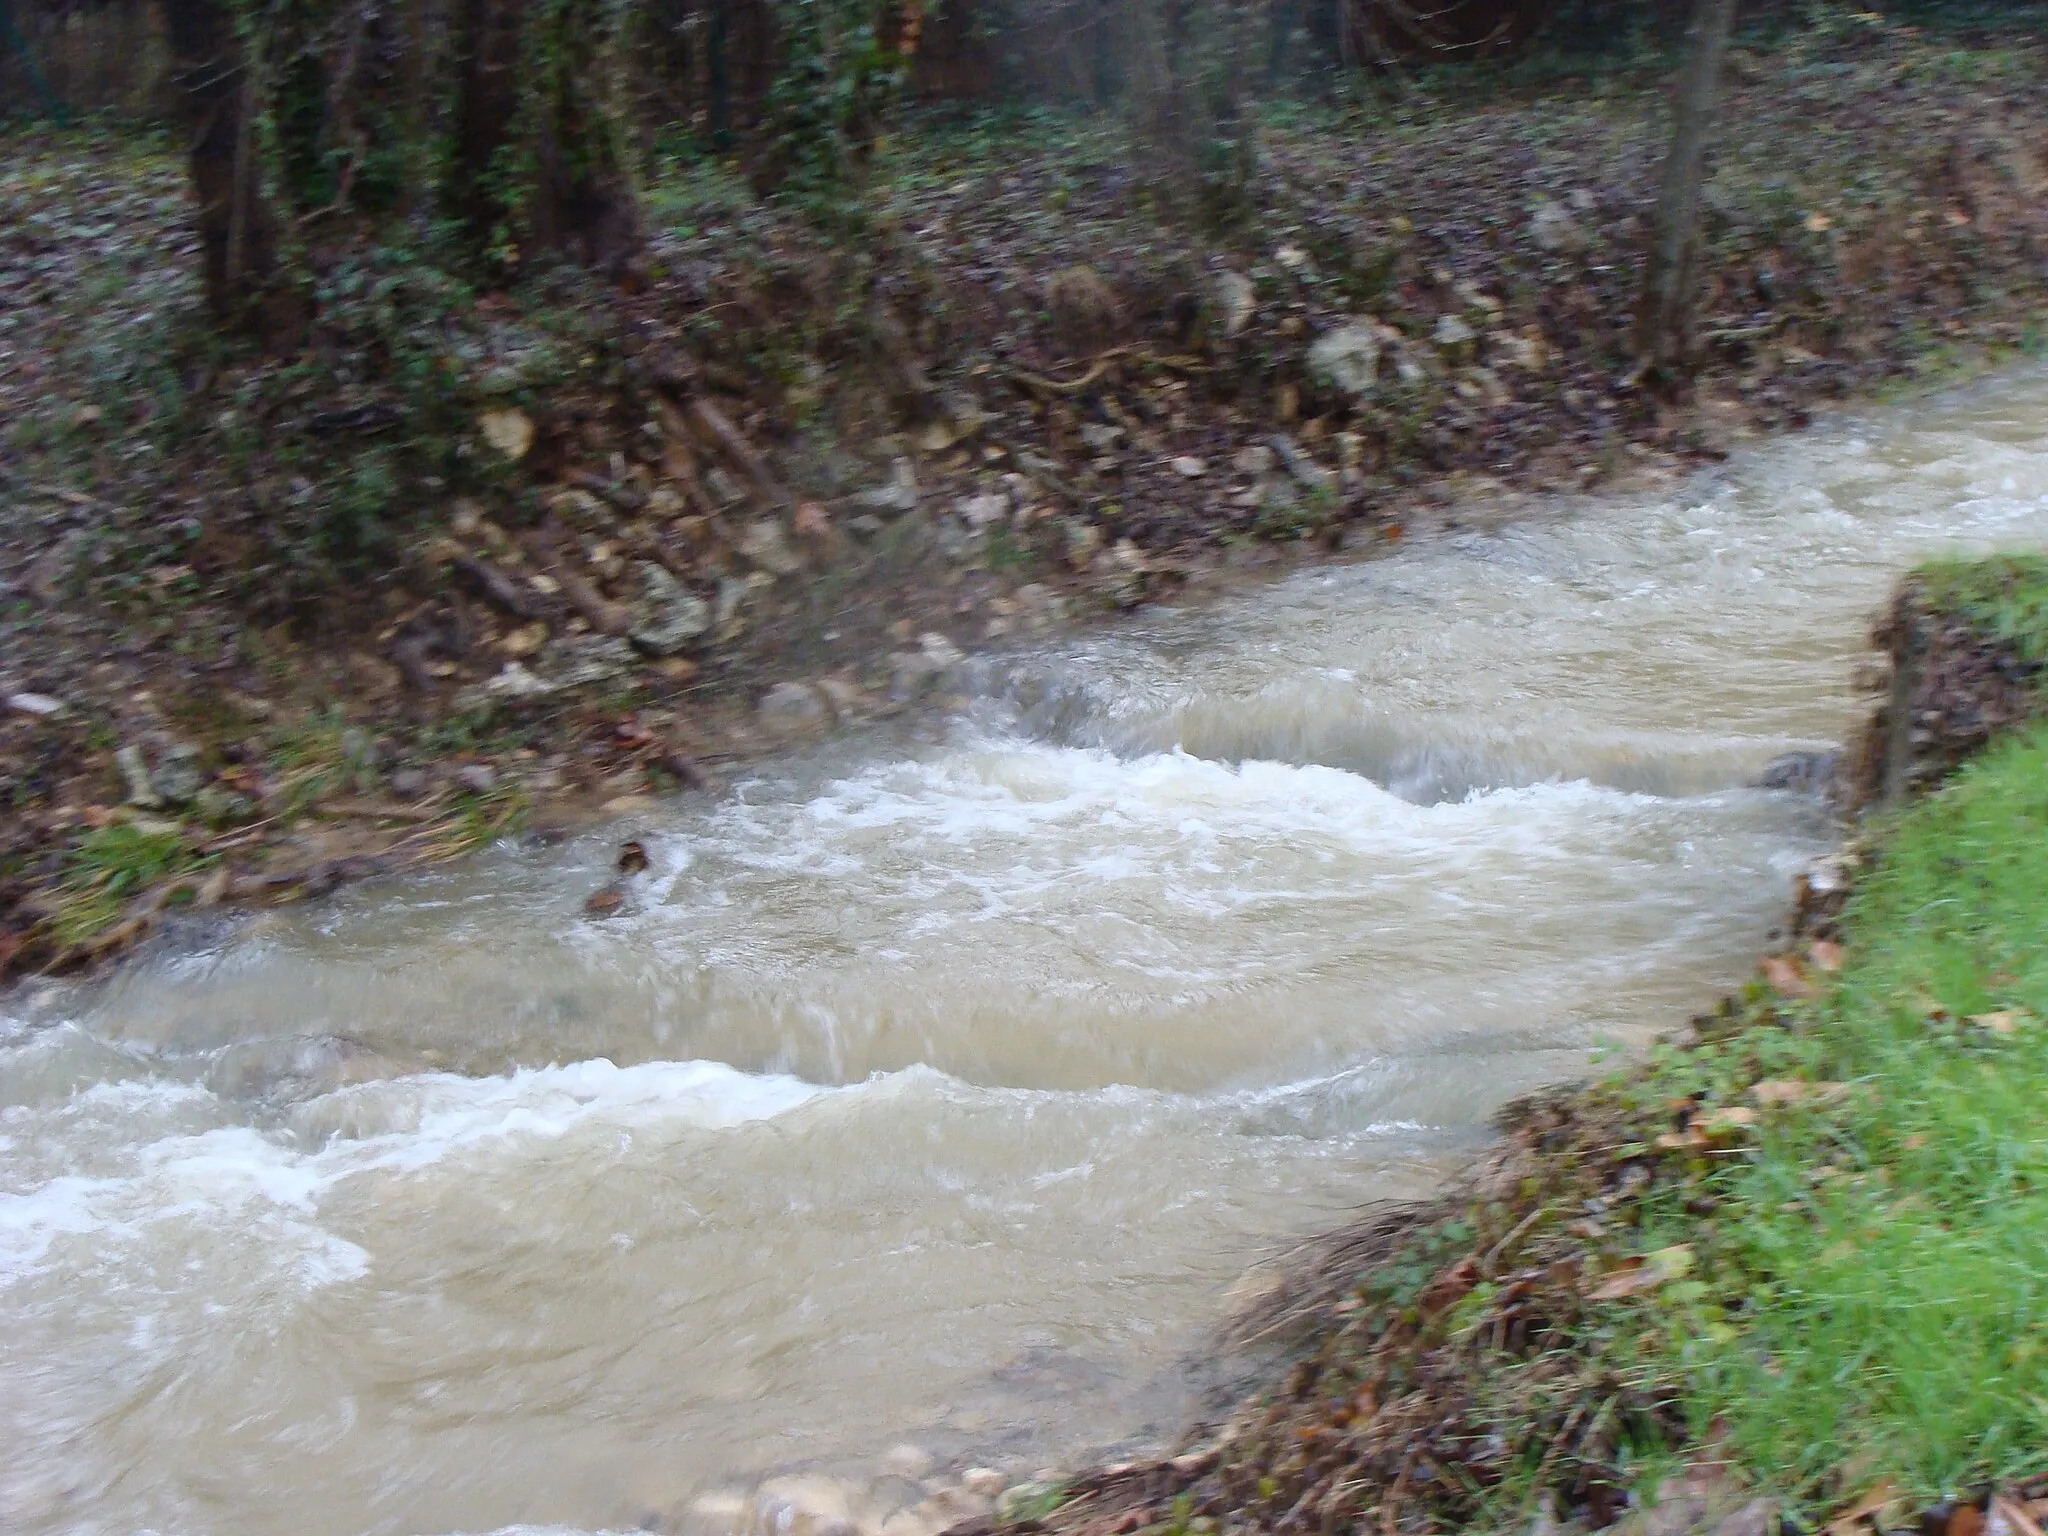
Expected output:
(1845, 1523)
(1775, 1091)
(1730, 1117)
(1644, 1274)
(1785, 977)
(1966, 1520)
(1826, 954)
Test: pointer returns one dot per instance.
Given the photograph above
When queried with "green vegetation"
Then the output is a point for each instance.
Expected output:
(108, 868)
(1869, 1291)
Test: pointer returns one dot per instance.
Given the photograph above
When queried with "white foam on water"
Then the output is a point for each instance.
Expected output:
(231, 1175)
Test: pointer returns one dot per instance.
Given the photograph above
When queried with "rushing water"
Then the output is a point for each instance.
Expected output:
(935, 1088)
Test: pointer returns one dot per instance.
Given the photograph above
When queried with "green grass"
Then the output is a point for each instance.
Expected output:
(2004, 597)
(1871, 1292)
(108, 868)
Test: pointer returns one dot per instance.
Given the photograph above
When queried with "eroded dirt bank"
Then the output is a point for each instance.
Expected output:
(478, 560)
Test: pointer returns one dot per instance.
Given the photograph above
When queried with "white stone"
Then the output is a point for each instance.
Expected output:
(40, 705)
(1188, 467)
(983, 1482)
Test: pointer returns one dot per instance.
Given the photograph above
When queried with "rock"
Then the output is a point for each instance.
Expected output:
(578, 662)
(40, 705)
(408, 783)
(803, 1506)
(1100, 435)
(1355, 356)
(1307, 473)
(1255, 460)
(1806, 773)
(913, 674)
(135, 778)
(844, 697)
(983, 1482)
(1188, 467)
(1554, 230)
(667, 617)
(793, 706)
(508, 431)
(512, 683)
(763, 543)
(1454, 338)
(1235, 301)
(219, 807)
(941, 650)
(977, 512)
(177, 779)
(604, 901)
(476, 778)
(897, 497)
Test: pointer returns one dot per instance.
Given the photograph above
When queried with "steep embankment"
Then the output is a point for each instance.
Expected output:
(1788, 1271)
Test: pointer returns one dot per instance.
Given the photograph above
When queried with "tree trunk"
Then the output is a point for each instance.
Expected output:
(1664, 315)
(237, 227)
(538, 166)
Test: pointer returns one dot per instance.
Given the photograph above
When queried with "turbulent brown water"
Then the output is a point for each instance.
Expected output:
(935, 1087)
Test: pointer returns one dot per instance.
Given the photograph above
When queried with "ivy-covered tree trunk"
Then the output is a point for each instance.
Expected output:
(541, 158)
(237, 226)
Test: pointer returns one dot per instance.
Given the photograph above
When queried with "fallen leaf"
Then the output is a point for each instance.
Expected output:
(1845, 1523)
(1826, 954)
(1776, 1091)
(1731, 1117)
(1644, 1274)
(632, 857)
(1967, 1520)
(811, 521)
(1819, 223)
(1786, 978)
(508, 431)
(604, 901)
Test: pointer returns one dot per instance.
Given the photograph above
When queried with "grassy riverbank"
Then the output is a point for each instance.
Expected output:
(1786, 1272)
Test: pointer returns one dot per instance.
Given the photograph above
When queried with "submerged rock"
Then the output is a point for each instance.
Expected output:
(1806, 773)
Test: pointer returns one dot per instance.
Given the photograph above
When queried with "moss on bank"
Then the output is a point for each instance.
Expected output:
(1789, 1268)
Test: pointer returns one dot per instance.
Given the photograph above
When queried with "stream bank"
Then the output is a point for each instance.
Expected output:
(483, 559)
(1783, 1275)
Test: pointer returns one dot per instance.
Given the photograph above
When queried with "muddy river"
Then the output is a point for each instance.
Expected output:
(937, 1085)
